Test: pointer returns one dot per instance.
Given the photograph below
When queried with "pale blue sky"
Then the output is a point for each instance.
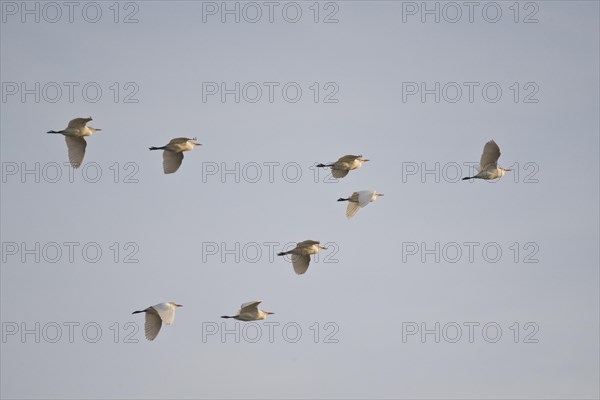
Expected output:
(370, 292)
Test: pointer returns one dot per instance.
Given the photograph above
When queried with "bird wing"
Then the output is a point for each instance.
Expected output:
(152, 325)
(307, 243)
(179, 140)
(338, 173)
(364, 197)
(349, 158)
(490, 156)
(352, 209)
(300, 263)
(166, 312)
(76, 146)
(171, 161)
(78, 123)
(250, 307)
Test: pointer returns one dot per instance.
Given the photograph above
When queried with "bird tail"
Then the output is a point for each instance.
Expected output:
(137, 312)
(156, 148)
(342, 199)
(283, 253)
(55, 132)
(467, 177)
(225, 316)
(324, 165)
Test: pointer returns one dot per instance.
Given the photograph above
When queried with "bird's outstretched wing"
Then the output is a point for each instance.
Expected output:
(338, 173)
(171, 161)
(78, 123)
(364, 197)
(152, 326)
(352, 209)
(307, 243)
(165, 312)
(179, 140)
(349, 159)
(300, 263)
(76, 146)
(490, 156)
(250, 307)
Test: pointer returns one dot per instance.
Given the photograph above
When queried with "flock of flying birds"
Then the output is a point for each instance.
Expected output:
(77, 130)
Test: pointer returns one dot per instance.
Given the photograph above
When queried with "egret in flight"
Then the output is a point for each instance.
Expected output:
(250, 312)
(156, 315)
(341, 167)
(358, 200)
(74, 136)
(173, 152)
(488, 165)
(301, 254)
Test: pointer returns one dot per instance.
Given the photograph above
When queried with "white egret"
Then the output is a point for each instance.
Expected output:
(358, 200)
(250, 312)
(488, 165)
(74, 135)
(173, 152)
(341, 167)
(301, 254)
(156, 315)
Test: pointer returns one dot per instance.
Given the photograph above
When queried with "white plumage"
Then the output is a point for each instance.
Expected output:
(301, 254)
(250, 312)
(156, 315)
(345, 164)
(173, 152)
(74, 135)
(358, 200)
(488, 165)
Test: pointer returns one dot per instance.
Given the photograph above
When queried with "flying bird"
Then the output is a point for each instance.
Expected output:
(250, 312)
(156, 315)
(358, 200)
(301, 254)
(74, 136)
(488, 165)
(173, 152)
(341, 167)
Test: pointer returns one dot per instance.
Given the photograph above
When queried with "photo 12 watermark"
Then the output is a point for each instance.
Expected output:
(70, 332)
(470, 252)
(289, 92)
(454, 172)
(270, 332)
(453, 12)
(254, 252)
(264, 172)
(70, 92)
(53, 12)
(62, 172)
(470, 332)
(70, 252)
(252, 12)
(470, 92)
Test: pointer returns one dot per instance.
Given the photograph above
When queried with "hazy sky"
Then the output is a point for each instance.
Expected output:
(503, 275)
